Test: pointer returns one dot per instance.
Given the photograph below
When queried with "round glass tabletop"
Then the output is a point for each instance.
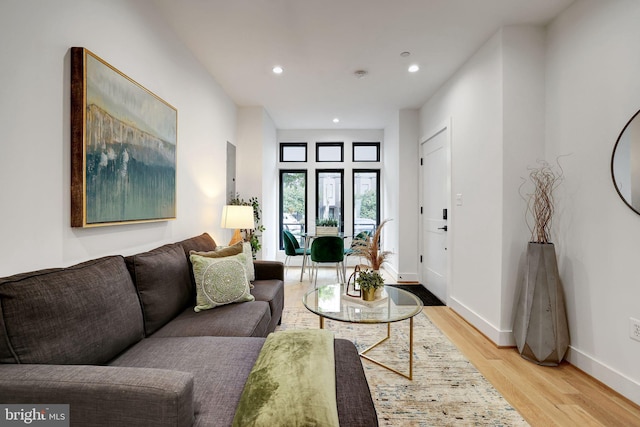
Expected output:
(331, 302)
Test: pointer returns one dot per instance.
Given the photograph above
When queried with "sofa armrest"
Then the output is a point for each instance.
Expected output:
(266, 270)
(103, 395)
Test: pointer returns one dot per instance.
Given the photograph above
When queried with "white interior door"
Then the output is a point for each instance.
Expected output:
(435, 211)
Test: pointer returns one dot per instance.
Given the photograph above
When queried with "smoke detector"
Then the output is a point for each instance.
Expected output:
(360, 74)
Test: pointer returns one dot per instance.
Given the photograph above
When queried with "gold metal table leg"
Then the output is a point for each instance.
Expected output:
(364, 356)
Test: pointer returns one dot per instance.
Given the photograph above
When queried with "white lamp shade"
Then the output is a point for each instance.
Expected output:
(234, 216)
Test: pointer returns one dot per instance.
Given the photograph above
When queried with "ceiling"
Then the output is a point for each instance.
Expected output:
(321, 43)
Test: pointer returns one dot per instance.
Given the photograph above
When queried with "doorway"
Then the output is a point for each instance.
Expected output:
(436, 211)
(231, 172)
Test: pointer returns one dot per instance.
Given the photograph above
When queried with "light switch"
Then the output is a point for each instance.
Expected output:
(459, 199)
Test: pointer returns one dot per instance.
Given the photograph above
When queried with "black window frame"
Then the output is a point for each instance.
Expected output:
(319, 145)
(333, 170)
(365, 144)
(353, 195)
(281, 172)
(284, 145)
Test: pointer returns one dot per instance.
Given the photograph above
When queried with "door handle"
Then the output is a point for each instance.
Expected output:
(445, 228)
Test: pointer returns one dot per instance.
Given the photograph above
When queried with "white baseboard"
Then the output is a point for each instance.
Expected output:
(400, 277)
(407, 278)
(605, 374)
(499, 337)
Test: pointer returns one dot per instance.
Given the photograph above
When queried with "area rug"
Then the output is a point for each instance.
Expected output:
(446, 390)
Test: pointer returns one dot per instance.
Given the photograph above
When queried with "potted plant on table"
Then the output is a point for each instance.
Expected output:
(369, 281)
(327, 227)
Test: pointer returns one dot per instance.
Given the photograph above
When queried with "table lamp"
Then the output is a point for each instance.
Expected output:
(237, 217)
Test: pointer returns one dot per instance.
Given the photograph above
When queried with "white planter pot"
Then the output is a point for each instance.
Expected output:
(326, 231)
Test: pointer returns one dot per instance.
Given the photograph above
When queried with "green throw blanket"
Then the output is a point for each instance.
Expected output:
(293, 382)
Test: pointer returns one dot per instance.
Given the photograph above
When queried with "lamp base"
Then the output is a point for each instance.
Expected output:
(237, 237)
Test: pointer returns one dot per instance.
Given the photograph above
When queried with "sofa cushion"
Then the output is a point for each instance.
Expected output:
(201, 243)
(162, 279)
(220, 251)
(355, 404)
(220, 367)
(84, 314)
(234, 320)
(271, 291)
(220, 281)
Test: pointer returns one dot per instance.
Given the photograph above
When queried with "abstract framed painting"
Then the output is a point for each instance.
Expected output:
(123, 147)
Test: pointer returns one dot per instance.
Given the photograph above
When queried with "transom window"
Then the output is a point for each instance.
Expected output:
(293, 151)
(366, 151)
(329, 152)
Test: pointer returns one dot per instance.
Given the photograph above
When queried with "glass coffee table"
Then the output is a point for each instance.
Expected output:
(331, 302)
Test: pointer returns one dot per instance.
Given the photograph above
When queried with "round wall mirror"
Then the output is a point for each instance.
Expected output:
(625, 163)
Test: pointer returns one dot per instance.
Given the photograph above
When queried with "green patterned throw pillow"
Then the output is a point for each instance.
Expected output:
(220, 281)
(246, 250)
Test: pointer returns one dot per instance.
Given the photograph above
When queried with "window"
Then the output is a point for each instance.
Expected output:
(366, 200)
(329, 194)
(293, 151)
(329, 152)
(293, 202)
(366, 151)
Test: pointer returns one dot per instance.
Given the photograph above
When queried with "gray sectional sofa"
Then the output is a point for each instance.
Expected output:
(118, 340)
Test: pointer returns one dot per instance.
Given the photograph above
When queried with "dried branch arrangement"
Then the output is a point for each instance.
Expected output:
(540, 203)
(368, 248)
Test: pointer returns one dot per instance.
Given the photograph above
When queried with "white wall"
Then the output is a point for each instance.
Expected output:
(34, 127)
(472, 98)
(390, 187)
(523, 98)
(400, 180)
(257, 152)
(593, 89)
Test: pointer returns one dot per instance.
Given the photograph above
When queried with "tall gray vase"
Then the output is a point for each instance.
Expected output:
(540, 327)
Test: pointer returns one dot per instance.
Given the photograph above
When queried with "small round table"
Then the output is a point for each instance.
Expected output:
(332, 302)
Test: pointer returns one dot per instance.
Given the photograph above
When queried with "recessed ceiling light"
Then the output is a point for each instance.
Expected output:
(405, 54)
(278, 69)
(336, 120)
(413, 68)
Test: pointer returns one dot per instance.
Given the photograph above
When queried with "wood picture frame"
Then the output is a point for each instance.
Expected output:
(123, 147)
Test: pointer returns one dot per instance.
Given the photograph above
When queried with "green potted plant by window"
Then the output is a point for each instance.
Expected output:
(369, 281)
(326, 227)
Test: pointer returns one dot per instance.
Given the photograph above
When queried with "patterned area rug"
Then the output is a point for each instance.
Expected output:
(446, 390)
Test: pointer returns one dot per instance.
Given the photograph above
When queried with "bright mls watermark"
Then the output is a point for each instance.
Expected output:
(36, 415)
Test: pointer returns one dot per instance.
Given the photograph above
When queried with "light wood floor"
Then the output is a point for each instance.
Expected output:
(544, 396)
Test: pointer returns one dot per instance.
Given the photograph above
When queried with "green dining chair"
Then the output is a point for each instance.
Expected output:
(292, 248)
(328, 249)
